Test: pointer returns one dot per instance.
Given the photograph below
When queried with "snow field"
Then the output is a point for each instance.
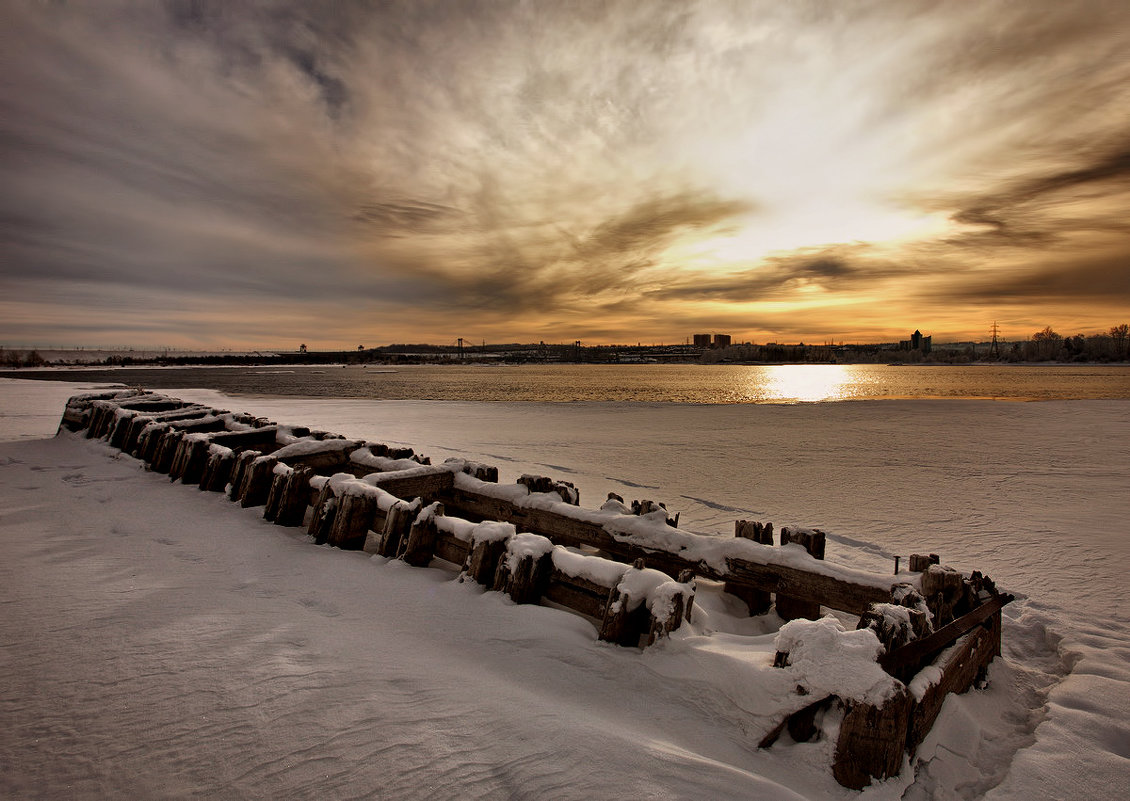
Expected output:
(200, 649)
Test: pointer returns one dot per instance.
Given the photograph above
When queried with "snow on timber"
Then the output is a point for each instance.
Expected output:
(163, 642)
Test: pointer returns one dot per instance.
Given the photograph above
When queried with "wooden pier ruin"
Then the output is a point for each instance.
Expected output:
(626, 567)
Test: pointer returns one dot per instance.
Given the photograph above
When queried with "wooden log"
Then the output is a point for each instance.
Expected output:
(661, 622)
(758, 602)
(149, 441)
(420, 546)
(526, 575)
(623, 624)
(483, 560)
(179, 457)
(832, 592)
(801, 724)
(429, 484)
(397, 524)
(195, 460)
(257, 481)
(568, 531)
(239, 472)
(564, 489)
(264, 439)
(294, 497)
(960, 666)
(452, 549)
(218, 470)
(917, 652)
(792, 607)
(137, 423)
(328, 456)
(120, 428)
(274, 495)
(872, 741)
(919, 562)
(579, 594)
(166, 449)
(100, 410)
(325, 510)
(352, 521)
(943, 588)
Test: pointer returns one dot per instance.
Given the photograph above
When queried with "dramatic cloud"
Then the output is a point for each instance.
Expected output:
(211, 173)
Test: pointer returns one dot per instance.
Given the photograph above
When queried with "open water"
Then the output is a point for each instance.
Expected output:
(660, 383)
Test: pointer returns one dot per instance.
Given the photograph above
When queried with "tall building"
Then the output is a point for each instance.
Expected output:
(916, 342)
(721, 340)
(702, 340)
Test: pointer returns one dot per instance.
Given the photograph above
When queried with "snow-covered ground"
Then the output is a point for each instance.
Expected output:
(162, 642)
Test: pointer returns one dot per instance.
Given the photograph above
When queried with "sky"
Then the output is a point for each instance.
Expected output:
(197, 174)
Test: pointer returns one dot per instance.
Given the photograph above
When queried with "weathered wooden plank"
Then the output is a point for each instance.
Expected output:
(578, 594)
(397, 524)
(262, 439)
(568, 531)
(918, 651)
(829, 591)
(960, 667)
(429, 484)
(137, 423)
(452, 549)
(757, 602)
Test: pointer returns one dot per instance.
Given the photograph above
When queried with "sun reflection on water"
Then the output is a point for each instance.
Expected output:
(806, 383)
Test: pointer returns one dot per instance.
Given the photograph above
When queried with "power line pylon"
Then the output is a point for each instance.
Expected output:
(994, 349)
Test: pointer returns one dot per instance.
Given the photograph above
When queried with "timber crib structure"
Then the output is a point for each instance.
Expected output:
(626, 567)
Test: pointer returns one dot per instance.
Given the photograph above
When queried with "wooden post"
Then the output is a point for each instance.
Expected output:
(166, 450)
(661, 625)
(919, 562)
(196, 458)
(239, 470)
(420, 546)
(257, 481)
(792, 607)
(217, 471)
(484, 560)
(756, 601)
(352, 521)
(121, 429)
(149, 442)
(872, 741)
(397, 523)
(274, 495)
(625, 619)
(943, 588)
(295, 497)
(325, 509)
(526, 582)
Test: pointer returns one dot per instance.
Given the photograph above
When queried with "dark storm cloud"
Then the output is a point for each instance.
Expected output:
(649, 224)
(1037, 209)
(832, 269)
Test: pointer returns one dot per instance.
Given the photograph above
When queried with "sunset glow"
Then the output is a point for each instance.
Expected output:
(220, 175)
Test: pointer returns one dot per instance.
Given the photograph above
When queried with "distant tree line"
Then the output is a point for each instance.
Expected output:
(15, 358)
(1048, 346)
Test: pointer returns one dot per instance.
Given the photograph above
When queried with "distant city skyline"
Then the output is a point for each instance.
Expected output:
(218, 175)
